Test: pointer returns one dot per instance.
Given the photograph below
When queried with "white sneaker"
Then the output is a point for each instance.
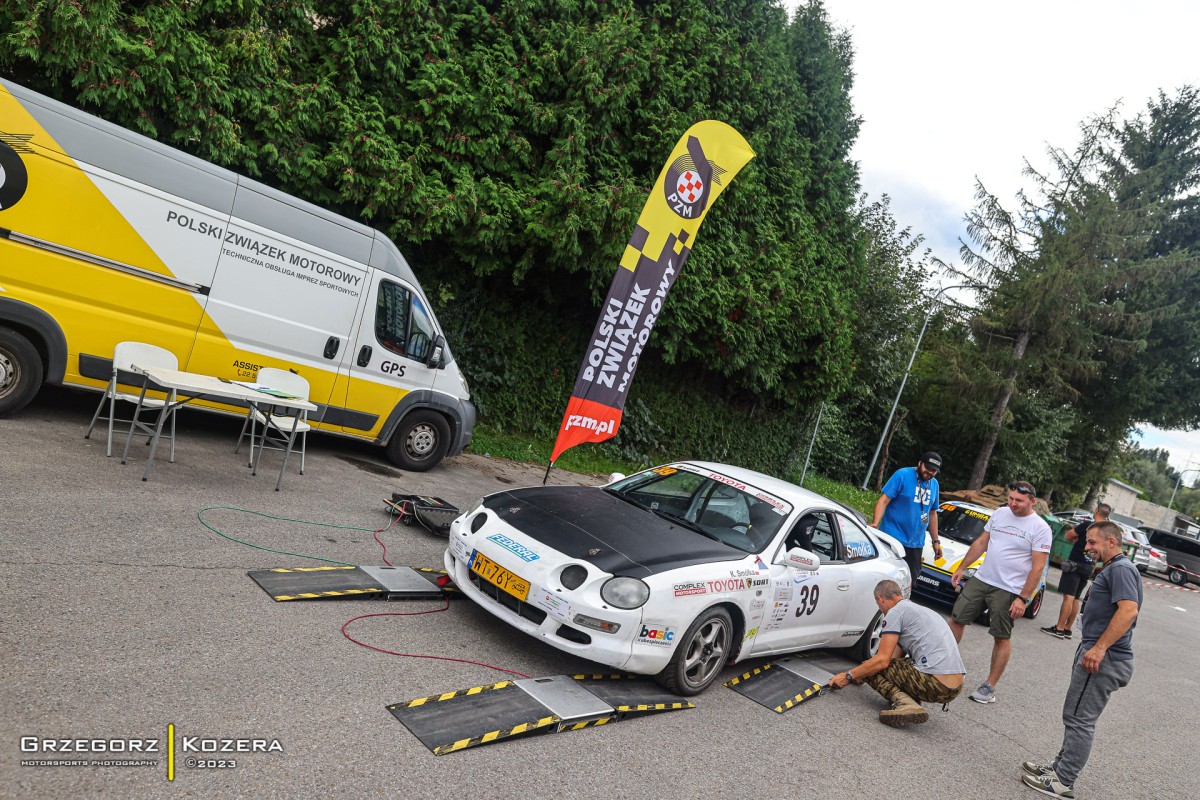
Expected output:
(984, 694)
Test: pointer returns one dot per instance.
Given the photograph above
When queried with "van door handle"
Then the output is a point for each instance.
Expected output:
(843, 586)
(331, 346)
(364, 355)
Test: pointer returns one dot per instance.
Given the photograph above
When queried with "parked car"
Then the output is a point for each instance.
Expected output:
(676, 571)
(959, 525)
(1157, 557)
(1136, 546)
(1182, 555)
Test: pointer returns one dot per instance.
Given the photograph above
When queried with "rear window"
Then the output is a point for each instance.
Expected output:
(1171, 542)
(961, 524)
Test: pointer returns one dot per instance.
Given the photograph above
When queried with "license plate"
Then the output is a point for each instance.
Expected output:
(495, 574)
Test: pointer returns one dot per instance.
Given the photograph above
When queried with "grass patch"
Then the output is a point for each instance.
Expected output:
(591, 459)
(845, 493)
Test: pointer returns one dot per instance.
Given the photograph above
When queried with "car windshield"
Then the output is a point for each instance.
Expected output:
(961, 524)
(742, 516)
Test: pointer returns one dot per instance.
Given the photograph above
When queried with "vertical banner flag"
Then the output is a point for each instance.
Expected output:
(705, 160)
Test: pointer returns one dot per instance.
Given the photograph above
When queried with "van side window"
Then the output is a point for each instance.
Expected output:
(420, 334)
(391, 316)
(402, 325)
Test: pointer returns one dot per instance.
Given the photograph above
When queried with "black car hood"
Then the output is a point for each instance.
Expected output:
(577, 520)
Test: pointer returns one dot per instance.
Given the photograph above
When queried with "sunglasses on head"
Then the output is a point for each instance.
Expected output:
(1025, 490)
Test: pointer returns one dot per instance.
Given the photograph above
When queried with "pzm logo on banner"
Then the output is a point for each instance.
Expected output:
(597, 425)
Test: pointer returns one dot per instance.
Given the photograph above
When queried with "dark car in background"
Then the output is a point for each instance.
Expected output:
(1181, 553)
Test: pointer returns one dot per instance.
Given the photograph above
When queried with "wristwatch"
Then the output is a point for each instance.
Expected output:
(849, 677)
(1026, 600)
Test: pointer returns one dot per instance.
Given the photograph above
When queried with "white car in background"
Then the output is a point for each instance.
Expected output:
(676, 571)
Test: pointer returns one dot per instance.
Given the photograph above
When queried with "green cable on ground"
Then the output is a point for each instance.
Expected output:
(200, 516)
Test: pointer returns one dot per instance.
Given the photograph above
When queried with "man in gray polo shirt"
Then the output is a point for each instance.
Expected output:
(933, 675)
(1103, 663)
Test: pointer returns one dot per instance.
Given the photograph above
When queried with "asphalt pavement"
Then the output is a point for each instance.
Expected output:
(124, 614)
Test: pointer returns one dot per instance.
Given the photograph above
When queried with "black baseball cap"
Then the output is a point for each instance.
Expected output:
(932, 460)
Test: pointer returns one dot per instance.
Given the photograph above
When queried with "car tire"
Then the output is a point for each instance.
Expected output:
(420, 442)
(868, 644)
(1034, 607)
(700, 654)
(1177, 576)
(21, 371)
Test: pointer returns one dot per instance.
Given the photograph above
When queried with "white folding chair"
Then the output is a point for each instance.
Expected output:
(125, 355)
(275, 436)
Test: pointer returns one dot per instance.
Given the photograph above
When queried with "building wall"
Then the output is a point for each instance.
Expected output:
(1120, 498)
(1153, 515)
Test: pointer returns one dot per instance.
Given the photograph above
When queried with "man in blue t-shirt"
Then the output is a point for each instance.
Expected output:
(1103, 663)
(908, 505)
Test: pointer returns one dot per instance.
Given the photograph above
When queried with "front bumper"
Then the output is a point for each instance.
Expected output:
(551, 619)
(934, 584)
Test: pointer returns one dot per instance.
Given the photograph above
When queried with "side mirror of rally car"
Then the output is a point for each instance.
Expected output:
(799, 558)
(616, 476)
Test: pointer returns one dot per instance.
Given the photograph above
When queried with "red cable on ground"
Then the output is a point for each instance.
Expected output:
(419, 655)
(395, 519)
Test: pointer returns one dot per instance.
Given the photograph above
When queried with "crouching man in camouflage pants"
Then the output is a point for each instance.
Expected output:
(933, 675)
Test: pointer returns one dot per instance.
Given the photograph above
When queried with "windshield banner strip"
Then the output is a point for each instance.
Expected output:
(781, 506)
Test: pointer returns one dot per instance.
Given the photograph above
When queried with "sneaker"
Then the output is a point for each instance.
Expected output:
(984, 694)
(1065, 634)
(1049, 785)
(1053, 630)
(1037, 770)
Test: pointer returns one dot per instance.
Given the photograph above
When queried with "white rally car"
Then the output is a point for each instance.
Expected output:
(676, 571)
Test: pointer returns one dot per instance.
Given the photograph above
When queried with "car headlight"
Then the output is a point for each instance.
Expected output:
(573, 576)
(477, 521)
(624, 592)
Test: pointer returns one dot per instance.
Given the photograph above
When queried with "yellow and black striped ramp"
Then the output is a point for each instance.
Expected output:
(343, 582)
(632, 695)
(453, 721)
(781, 685)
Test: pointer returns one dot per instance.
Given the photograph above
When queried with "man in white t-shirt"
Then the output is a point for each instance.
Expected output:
(1016, 542)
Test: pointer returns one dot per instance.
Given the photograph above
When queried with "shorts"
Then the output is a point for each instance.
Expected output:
(977, 595)
(1073, 583)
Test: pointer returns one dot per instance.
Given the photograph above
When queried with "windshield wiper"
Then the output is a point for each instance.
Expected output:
(691, 526)
(623, 496)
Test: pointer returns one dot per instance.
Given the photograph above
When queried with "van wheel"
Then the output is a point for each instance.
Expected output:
(1177, 576)
(20, 371)
(420, 442)
(700, 654)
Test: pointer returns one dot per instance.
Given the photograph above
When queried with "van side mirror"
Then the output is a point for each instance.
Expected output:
(801, 559)
(435, 353)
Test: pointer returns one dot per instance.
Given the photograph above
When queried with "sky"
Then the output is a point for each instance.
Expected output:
(952, 92)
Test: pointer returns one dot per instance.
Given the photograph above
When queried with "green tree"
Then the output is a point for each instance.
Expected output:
(508, 149)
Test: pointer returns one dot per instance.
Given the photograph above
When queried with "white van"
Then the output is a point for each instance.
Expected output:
(108, 236)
